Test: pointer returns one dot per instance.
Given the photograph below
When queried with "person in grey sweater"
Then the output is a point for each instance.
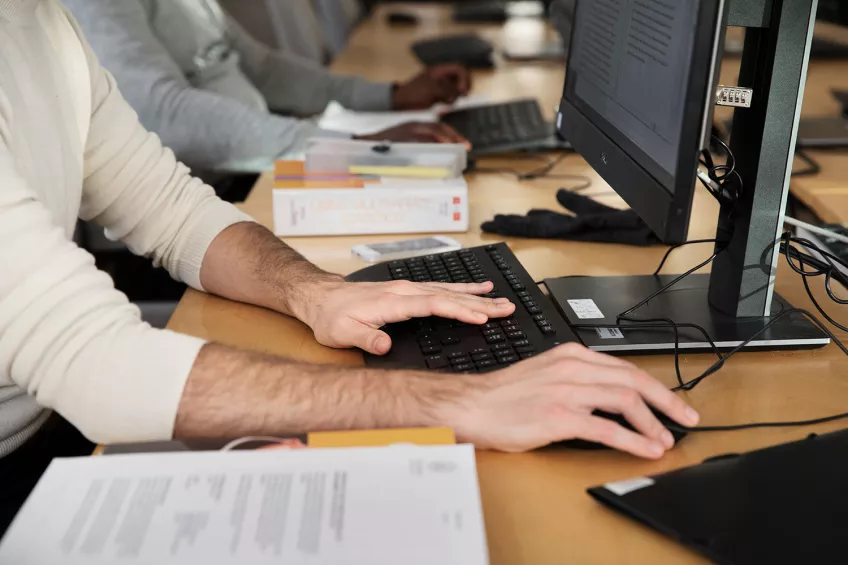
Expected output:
(214, 94)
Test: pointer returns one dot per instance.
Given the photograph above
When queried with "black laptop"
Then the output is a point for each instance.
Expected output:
(783, 505)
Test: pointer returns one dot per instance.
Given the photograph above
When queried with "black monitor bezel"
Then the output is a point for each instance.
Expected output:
(626, 168)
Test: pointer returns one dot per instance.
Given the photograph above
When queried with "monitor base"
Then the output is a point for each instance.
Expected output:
(596, 301)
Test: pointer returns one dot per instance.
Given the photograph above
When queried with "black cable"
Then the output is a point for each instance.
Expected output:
(543, 172)
(828, 269)
(805, 275)
(678, 246)
(671, 284)
(813, 167)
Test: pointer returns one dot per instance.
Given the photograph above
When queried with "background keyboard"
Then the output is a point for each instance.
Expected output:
(468, 49)
(500, 127)
(446, 345)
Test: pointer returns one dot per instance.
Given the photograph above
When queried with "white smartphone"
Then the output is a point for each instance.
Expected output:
(376, 252)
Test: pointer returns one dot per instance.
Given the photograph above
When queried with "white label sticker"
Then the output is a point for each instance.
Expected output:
(586, 309)
(626, 487)
(609, 333)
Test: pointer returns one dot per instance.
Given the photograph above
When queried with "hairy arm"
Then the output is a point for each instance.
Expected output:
(232, 393)
(249, 264)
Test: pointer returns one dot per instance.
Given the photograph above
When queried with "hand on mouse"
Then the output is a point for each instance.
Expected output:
(552, 397)
(421, 132)
(441, 84)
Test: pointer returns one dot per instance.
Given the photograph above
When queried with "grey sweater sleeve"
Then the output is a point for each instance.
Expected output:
(207, 131)
(295, 85)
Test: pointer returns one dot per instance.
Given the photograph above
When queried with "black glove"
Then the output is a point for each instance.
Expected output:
(591, 222)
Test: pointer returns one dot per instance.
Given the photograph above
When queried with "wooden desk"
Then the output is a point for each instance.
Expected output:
(537, 512)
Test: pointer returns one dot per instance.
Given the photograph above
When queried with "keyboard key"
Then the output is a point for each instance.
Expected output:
(512, 328)
(543, 323)
(449, 340)
(481, 356)
(428, 343)
(488, 333)
(464, 367)
(479, 351)
(427, 336)
(431, 349)
(437, 362)
(525, 348)
(491, 326)
(486, 363)
(525, 299)
(516, 335)
(457, 355)
(480, 278)
(518, 286)
(527, 355)
(548, 330)
(507, 359)
(495, 338)
(534, 310)
(501, 347)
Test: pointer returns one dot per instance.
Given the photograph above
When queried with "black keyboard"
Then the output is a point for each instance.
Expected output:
(470, 50)
(501, 127)
(486, 11)
(826, 49)
(446, 345)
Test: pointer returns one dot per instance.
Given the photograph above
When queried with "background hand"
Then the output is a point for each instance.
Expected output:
(552, 397)
(421, 132)
(351, 314)
(441, 84)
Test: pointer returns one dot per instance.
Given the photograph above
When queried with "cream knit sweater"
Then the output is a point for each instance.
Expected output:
(71, 147)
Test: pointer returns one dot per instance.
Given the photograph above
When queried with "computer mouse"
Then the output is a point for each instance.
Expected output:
(402, 18)
(672, 426)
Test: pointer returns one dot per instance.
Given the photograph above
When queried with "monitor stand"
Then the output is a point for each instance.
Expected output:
(599, 300)
(737, 300)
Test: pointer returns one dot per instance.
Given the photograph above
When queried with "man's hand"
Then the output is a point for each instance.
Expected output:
(441, 84)
(421, 132)
(552, 397)
(351, 314)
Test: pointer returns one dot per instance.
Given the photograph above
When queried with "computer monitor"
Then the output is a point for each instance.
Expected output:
(638, 106)
(636, 100)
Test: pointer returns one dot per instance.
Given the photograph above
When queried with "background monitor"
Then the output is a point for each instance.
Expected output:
(834, 11)
(639, 97)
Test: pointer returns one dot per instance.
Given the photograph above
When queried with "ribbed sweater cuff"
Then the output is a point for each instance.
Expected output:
(217, 217)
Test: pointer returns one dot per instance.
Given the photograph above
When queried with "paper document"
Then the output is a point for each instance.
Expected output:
(337, 118)
(387, 505)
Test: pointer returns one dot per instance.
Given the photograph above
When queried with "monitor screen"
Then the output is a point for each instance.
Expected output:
(630, 63)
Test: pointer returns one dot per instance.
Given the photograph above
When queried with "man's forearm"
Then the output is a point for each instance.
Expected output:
(248, 263)
(233, 393)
